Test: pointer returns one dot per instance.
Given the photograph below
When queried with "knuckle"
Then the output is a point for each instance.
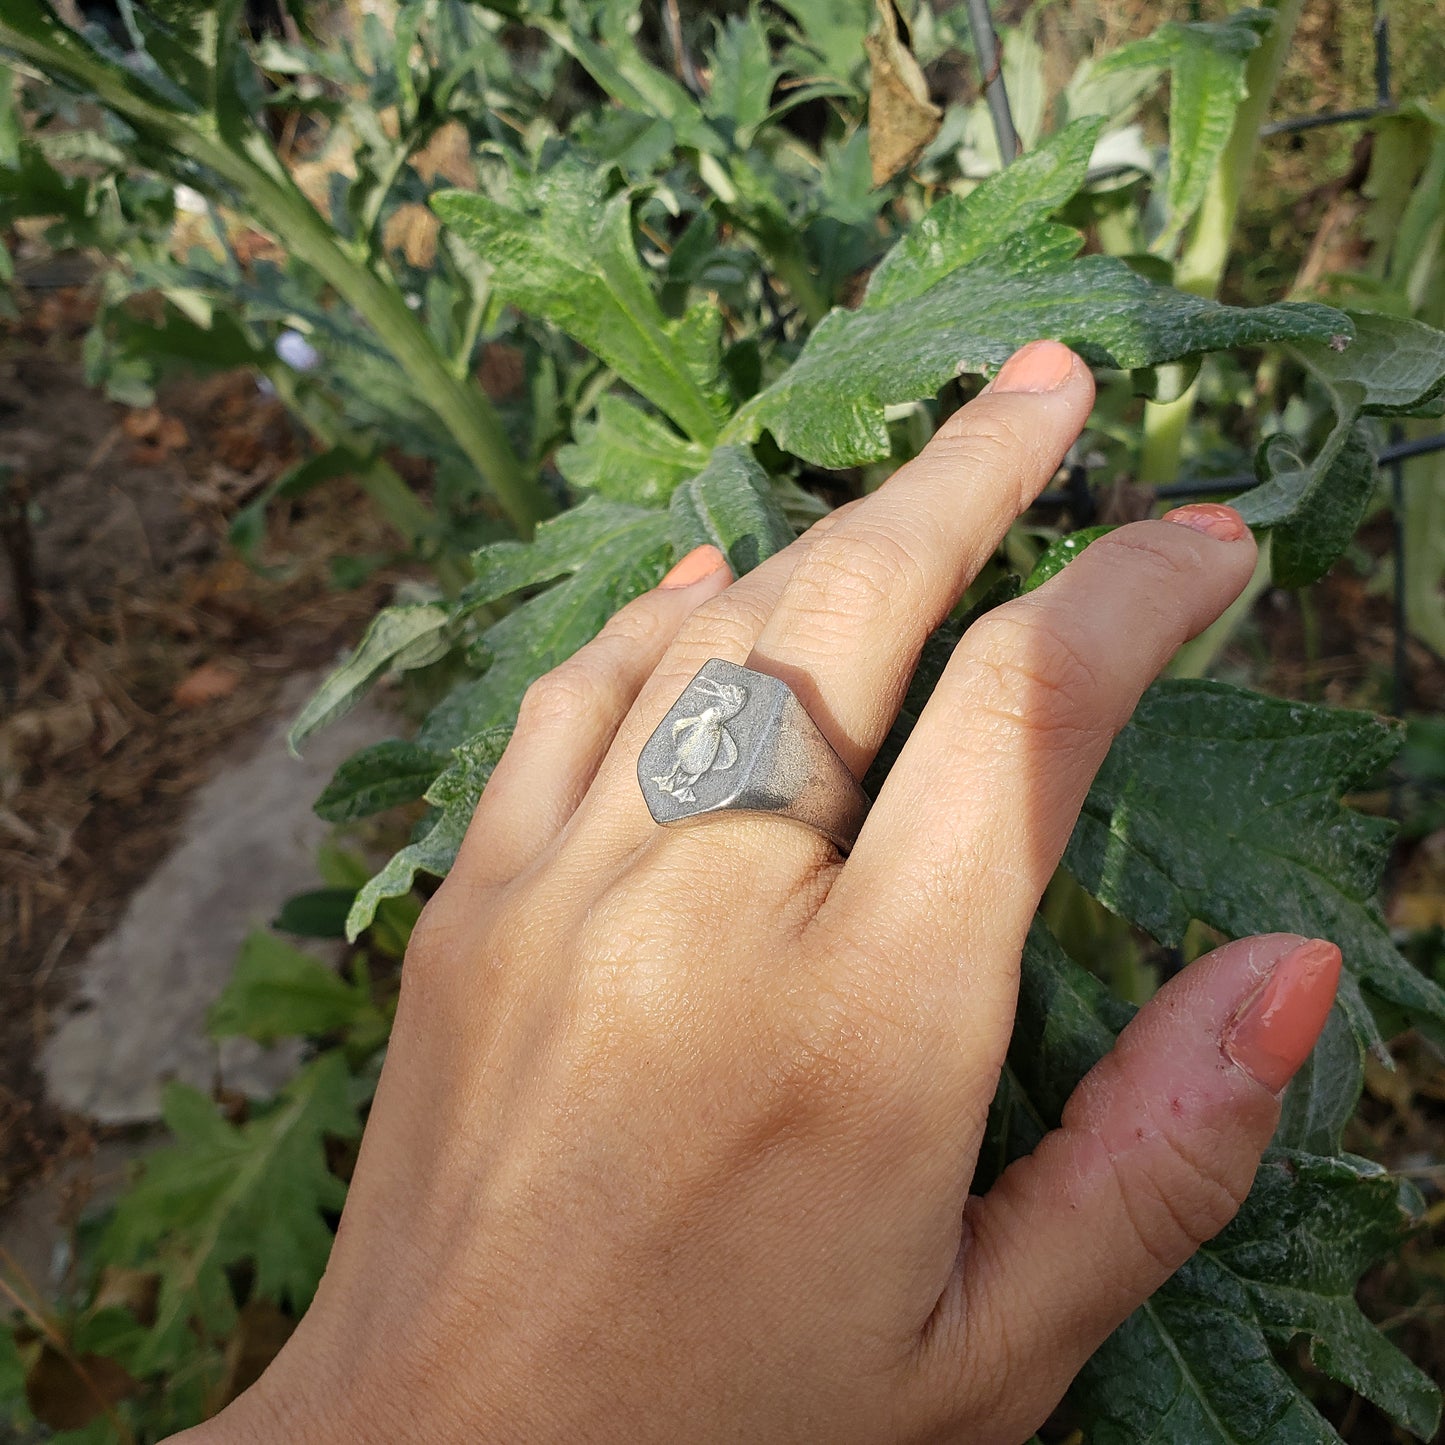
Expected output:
(1182, 1197)
(847, 576)
(558, 698)
(442, 939)
(989, 441)
(642, 624)
(724, 626)
(1148, 556)
(1032, 676)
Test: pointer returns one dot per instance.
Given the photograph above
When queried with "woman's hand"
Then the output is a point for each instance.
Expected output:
(676, 1130)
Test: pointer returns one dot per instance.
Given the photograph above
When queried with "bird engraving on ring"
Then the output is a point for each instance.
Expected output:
(703, 744)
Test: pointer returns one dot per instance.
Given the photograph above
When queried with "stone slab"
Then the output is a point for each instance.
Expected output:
(248, 842)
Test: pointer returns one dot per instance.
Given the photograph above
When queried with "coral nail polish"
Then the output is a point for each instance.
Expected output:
(699, 563)
(1214, 519)
(1272, 1032)
(1038, 367)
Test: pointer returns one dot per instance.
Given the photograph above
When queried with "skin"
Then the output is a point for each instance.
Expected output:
(675, 1133)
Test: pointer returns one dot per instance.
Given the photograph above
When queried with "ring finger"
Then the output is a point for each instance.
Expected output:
(569, 715)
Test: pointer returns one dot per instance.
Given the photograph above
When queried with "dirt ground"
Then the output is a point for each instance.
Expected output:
(135, 649)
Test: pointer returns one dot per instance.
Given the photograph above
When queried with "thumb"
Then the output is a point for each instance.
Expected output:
(1157, 1148)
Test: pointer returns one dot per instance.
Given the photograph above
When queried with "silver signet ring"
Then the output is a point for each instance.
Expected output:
(740, 741)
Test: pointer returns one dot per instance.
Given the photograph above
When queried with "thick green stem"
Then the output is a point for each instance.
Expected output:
(246, 161)
(1201, 265)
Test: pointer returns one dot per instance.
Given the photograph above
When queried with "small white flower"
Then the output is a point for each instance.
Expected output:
(298, 353)
(190, 201)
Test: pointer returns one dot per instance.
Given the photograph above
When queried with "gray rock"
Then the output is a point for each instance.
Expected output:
(248, 842)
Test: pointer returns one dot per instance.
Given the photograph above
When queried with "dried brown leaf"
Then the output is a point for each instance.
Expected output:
(901, 118)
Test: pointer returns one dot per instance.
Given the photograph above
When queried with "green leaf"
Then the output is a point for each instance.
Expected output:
(834, 31)
(1321, 1098)
(181, 342)
(730, 504)
(1058, 554)
(567, 255)
(1398, 364)
(628, 455)
(1322, 500)
(455, 795)
(1394, 367)
(744, 75)
(830, 406)
(1206, 61)
(1205, 89)
(414, 634)
(277, 992)
(1223, 805)
(960, 229)
(382, 776)
(321, 913)
(614, 60)
(224, 1194)
(14, 1409)
(604, 552)
(1195, 1364)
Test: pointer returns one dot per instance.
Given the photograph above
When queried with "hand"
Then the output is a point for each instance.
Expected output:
(676, 1129)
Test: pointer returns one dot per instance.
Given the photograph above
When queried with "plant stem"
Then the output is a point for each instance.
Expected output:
(1201, 265)
(245, 159)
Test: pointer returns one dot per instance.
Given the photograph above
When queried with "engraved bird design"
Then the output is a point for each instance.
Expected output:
(703, 744)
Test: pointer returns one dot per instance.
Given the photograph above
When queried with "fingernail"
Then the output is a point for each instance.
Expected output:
(1214, 519)
(699, 563)
(1039, 366)
(1272, 1032)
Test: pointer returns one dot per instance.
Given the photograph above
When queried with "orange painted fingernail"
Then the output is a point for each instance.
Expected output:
(699, 563)
(1040, 366)
(1214, 519)
(1274, 1029)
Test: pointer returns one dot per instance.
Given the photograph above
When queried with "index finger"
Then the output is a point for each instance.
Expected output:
(975, 814)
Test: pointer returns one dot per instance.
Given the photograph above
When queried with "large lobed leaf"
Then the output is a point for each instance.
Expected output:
(628, 455)
(1196, 1365)
(413, 634)
(1222, 805)
(277, 991)
(730, 504)
(968, 289)
(224, 1194)
(567, 254)
(454, 795)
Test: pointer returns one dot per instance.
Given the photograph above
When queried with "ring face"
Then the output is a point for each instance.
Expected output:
(739, 740)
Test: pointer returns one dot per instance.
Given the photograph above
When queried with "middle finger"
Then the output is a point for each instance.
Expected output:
(847, 631)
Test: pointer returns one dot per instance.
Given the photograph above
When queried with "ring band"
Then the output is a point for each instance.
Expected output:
(740, 741)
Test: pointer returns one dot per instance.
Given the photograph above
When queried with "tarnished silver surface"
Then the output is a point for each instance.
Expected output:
(739, 741)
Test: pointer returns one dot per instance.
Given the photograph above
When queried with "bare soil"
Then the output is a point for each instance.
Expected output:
(136, 650)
